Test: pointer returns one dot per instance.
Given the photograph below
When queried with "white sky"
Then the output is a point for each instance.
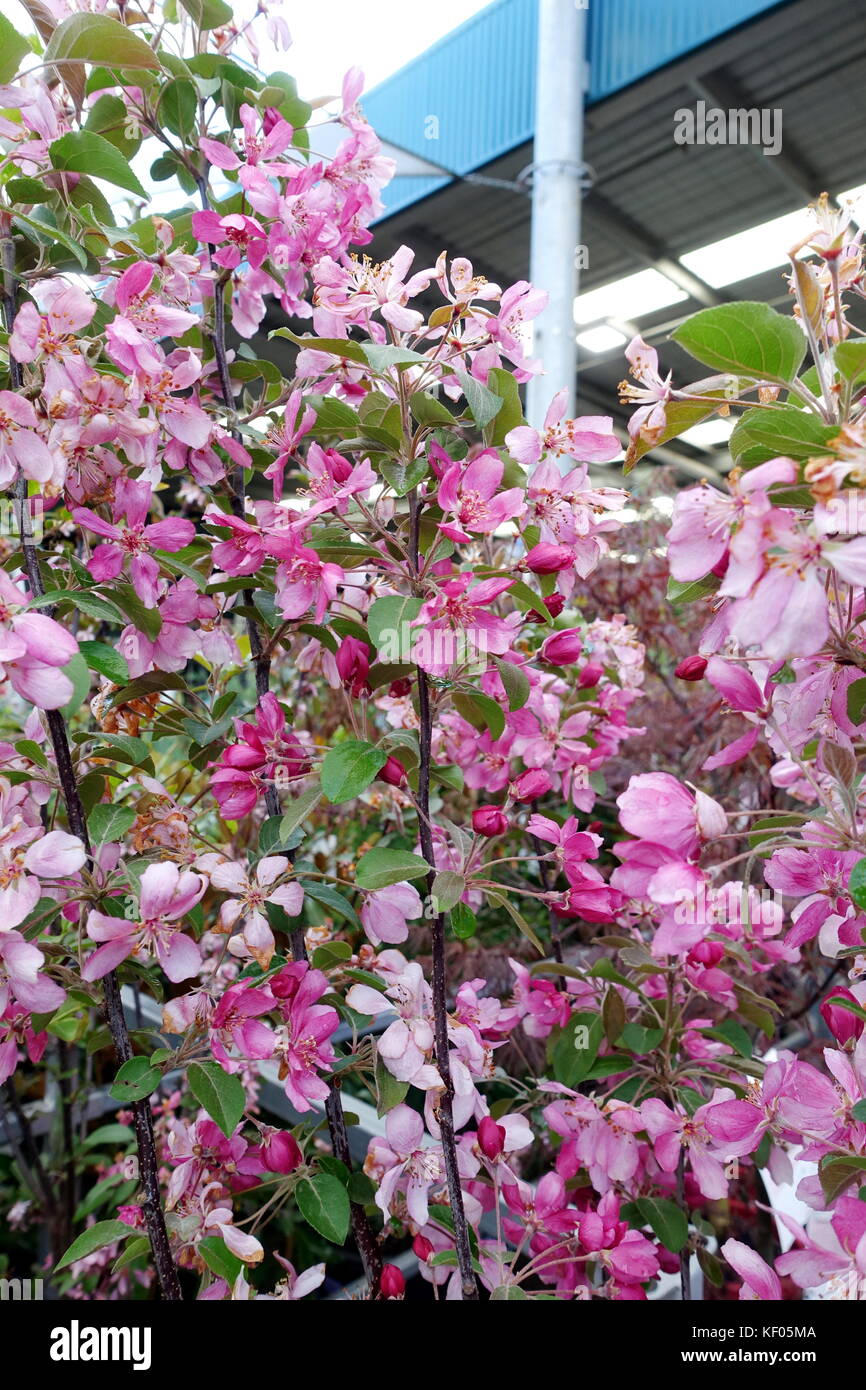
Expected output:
(378, 36)
(331, 36)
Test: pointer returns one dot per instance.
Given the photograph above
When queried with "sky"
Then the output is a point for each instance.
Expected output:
(330, 36)
(378, 36)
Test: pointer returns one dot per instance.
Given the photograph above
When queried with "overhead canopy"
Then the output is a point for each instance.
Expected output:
(652, 201)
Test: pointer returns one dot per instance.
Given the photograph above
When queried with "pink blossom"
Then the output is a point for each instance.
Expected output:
(167, 894)
(759, 1280)
(133, 541)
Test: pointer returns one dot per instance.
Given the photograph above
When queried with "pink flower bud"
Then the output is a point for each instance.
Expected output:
(423, 1248)
(393, 1285)
(491, 1138)
(691, 668)
(489, 820)
(706, 953)
(590, 675)
(562, 648)
(530, 784)
(353, 664)
(394, 773)
(284, 985)
(546, 558)
(281, 1154)
(842, 1024)
(554, 603)
(399, 689)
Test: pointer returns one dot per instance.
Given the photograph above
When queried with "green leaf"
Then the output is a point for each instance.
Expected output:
(785, 430)
(639, 1040)
(49, 232)
(135, 1080)
(221, 1094)
(428, 410)
(178, 105)
(106, 660)
(146, 620)
(501, 900)
(448, 888)
(850, 360)
(837, 1173)
(349, 769)
(388, 624)
(13, 46)
(334, 901)
(324, 1204)
(96, 38)
(298, 811)
(134, 1250)
(679, 417)
(108, 117)
(112, 1135)
(858, 1111)
(668, 1222)
(382, 356)
(464, 923)
(107, 824)
(389, 1091)
(219, 1259)
(857, 883)
(94, 1238)
(77, 671)
(379, 867)
(484, 405)
(346, 348)
(91, 604)
(857, 701)
(85, 152)
(748, 338)
(679, 592)
(731, 1032)
(208, 14)
(515, 682)
(510, 413)
(331, 954)
(27, 190)
(480, 710)
(574, 1052)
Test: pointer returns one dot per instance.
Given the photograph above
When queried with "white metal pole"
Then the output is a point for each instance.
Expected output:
(556, 193)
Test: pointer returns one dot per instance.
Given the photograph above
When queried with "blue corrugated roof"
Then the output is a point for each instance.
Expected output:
(470, 98)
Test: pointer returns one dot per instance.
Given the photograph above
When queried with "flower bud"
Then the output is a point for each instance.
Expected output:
(530, 784)
(546, 558)
(562, 648)
(393, 1285)
(353, 664)
(554, 604)
(691, 668)
(843, 1025)
(590, 675)
(283, 985)
(489, 820)
(394, 773)
(491, 1138)
(706, 953)
(423, 1248)
(281, 1153)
